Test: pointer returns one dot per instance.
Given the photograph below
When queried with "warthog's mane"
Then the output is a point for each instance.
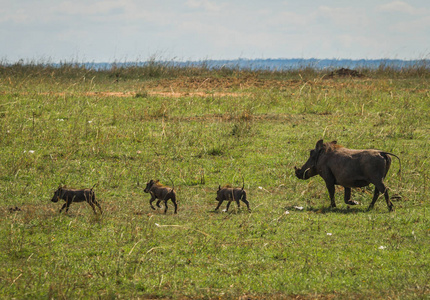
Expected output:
(159, 184)
(227, 186)
(332, 146)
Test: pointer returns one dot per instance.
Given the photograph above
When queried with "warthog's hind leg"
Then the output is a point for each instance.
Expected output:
(381, 188)
(98, 205)
(348, 197)
(247, 203)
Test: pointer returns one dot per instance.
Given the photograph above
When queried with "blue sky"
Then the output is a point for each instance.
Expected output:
(132, 30)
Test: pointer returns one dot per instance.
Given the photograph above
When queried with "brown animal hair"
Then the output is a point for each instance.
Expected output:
(333, 145)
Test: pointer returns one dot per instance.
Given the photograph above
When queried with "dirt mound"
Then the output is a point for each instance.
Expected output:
(344, 73)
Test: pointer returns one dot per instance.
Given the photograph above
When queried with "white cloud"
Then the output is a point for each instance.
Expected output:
(344, 16)
(101, 30)
(401, 7)
(89, 8)
(413, 28)
(207, 5)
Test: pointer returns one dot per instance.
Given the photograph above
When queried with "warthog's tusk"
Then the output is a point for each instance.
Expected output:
(304, 173)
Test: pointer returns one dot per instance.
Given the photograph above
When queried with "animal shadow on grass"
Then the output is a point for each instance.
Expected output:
(95, 219)
(323, 210)
(233, 211)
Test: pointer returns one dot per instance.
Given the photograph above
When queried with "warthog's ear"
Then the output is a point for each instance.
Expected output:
(333, 142)
(319, 145)
(219, 187)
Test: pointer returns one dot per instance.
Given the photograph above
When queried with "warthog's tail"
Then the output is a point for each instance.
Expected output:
(93, 186)
(243, 183)
(400, 162)
(400, 167)
(173, 184)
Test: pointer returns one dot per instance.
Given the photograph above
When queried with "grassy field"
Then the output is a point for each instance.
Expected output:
(198, 128)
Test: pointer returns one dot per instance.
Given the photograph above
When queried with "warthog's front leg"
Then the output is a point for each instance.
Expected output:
(152, 200)
(228, 206)
(219, 204)
(331, 190)
(66, 205)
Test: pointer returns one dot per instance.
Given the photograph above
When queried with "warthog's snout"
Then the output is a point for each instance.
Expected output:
(56, 196)
(298, 172)
(302, 173)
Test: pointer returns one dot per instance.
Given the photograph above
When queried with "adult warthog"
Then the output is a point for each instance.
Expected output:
(349, 168)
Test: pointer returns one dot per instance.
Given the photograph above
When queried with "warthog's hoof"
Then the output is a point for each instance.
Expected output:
(352, 202)
(16, 208)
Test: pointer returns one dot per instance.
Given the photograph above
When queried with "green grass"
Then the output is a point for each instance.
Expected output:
(57, 127)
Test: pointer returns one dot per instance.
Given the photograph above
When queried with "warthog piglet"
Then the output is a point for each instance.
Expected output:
(230, 194)
(75, 195)
(162, 193)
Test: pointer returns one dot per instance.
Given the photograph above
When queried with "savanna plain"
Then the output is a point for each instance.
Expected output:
(198, 128)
